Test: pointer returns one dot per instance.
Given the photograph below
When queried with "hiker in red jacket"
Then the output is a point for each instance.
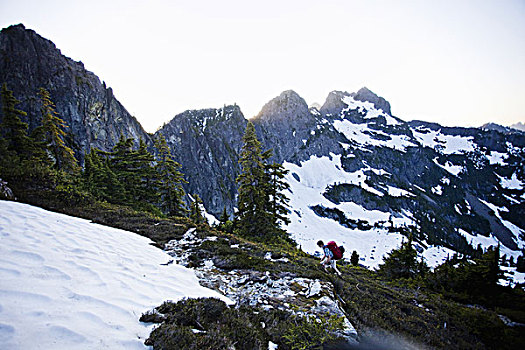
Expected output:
(329, 257)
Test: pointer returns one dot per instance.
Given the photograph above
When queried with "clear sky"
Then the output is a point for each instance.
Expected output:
(455, 62)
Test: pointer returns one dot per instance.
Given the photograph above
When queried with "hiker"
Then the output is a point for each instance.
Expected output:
(331, 253)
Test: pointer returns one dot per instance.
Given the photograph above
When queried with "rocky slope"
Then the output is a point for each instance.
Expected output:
(95, 117)
(207, 143)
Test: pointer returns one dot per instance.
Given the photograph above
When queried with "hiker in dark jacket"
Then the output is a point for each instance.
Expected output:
(328, 257)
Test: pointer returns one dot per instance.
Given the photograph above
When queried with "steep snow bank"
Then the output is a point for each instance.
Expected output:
(67, 283)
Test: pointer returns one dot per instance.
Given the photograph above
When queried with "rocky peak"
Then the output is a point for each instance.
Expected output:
(334, 104)
(287, 105)
(94, 116)
(365, 95)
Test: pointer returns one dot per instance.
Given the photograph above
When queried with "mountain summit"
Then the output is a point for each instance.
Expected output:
(288, 105)
(365, 95)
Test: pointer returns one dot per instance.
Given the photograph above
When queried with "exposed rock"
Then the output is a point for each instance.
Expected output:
(207, 144)
(364, 94)
(255, 288)
(94, 116)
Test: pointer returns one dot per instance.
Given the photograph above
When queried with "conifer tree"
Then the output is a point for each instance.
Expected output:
(170, 180)
(278, 201)
(13, 130)
(252, 217)
(261, 202)
(354, 259)
(52, 134)
(100, 180)
(402, 262)
(146, 175)
(224, 216)
(195, 211)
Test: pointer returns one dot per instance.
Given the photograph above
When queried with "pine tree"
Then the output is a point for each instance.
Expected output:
(100, 180)
(170, 180)
(354, 259)
(224, 216)
(146, 176)
(13, 129)
(252, 217)
(401, 262)
(278, 201)
(53, 135)
(261, 202)
(195, 211)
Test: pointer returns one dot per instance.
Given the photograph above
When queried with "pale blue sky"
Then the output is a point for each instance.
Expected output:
(458, 63)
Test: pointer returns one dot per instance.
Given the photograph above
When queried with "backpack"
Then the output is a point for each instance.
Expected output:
(336, 251)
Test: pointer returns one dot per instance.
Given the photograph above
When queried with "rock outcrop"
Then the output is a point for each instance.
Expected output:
(94, 116)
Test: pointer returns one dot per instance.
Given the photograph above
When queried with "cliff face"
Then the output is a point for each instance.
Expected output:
(207, 143)
(95, 117)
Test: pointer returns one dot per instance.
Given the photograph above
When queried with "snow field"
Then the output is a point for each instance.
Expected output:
(67, 283)
(307, 228)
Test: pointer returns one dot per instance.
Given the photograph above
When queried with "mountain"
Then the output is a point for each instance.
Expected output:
(207, 143)
(358, 173)
(519, 126)
(513, 129)
(95, 117)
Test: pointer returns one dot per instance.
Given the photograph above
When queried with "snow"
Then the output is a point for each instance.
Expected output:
(437, 255)
(516, 231)
(68, 283)
(446, 144)
(513, 276)
(399, 192)
(497, 158)
(363, 135)
(307, 228)
(451, 168)
(437, 190)
(319, 172)
(368, 109)
(511, 184)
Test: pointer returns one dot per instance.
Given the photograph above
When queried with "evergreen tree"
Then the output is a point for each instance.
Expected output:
(401, 262)
(278, 201)
(121, 162)
(146, 176)
(195, 210)
(170, 180)
(100, 180)
(475, 280)
(354, 259)
(252, 217)
(261, 202)
(520, 263)
(52, 135)
(15, 141)
(224, 216)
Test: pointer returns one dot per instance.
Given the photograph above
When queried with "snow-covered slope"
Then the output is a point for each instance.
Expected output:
(66, 283)
(391, 178)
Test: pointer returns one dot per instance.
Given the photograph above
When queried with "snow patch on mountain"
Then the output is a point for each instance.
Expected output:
(68, 283)
(516, 231)
(308, 182)
(451, 168)
(445, 144)
(363, 135)
(511, 184)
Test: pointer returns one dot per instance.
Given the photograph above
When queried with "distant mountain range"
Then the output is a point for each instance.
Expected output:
(358, 174)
